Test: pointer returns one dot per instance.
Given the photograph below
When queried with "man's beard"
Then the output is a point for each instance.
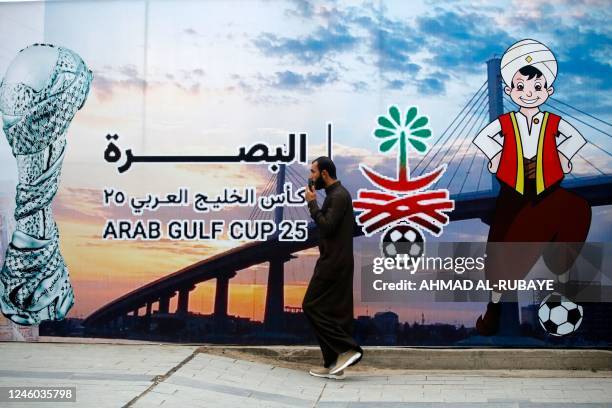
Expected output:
(319, 184)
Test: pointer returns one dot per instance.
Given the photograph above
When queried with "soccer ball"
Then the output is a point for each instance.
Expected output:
(558, 315)
(402, 239)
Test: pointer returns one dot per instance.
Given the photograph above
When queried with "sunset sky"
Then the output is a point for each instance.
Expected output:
(202, 78)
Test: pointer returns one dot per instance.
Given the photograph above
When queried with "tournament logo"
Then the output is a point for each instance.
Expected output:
(402, 206)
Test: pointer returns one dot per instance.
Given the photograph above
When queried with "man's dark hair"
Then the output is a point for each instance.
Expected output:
(325, 163)
(530, 71)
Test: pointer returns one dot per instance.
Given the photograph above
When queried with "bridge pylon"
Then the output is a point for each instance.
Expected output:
(510, 325)
(496, 101)
(275, 297)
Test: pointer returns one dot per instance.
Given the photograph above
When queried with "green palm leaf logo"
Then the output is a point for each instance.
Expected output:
(412, 129)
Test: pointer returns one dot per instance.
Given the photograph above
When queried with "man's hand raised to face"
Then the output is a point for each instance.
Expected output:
(311, 193)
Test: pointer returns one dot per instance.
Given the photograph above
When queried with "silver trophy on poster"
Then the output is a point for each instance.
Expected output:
(43, 88)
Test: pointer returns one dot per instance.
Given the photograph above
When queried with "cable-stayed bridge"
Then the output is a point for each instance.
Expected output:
(471, 185)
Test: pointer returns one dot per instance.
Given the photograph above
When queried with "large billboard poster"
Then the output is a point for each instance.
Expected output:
(156, 156)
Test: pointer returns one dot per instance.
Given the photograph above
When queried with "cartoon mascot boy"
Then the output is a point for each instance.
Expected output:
(530, 151)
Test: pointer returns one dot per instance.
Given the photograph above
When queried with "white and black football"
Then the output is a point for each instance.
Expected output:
(402, 239)
(558, 315)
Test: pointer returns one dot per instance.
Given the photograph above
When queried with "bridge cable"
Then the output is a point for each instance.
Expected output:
(447, 133)
(286, 208)
(456, 132)
(482, 112)
(291, 209)
(482, 170)
(476, 150)
(466, 138)
(591, 164)
(584, 113)
(257, 210)
(301, 180)
(295, 175)
(589, 141)
(475, 113)
(579, 120)
(271, 190)
(485, 165)
(442, 135)
(485, 159)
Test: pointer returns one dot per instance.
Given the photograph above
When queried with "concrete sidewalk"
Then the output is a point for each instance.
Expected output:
(150, 375)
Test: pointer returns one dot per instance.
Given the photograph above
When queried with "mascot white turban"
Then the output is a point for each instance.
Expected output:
(529, 52)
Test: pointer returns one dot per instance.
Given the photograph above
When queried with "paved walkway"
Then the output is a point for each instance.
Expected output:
(149, 375)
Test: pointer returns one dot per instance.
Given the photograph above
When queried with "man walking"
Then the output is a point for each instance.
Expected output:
(328, 302)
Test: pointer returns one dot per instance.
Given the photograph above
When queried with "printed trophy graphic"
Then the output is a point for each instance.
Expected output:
(403, 203)
(43, 88)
